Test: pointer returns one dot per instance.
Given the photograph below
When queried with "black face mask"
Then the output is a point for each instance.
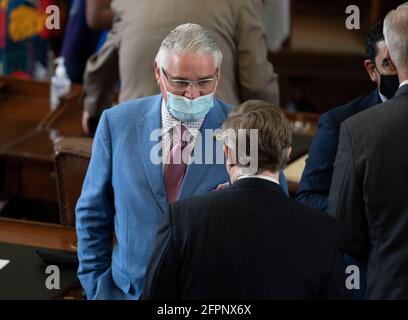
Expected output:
(389, 85)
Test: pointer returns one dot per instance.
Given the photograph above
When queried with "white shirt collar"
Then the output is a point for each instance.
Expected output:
(403, 83)
(382, 97)
(259, 176)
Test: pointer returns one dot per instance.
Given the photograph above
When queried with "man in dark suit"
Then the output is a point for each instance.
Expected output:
(368, 192)
(249, 241)
(314, 186)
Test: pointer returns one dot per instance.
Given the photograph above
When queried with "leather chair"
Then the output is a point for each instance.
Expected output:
(71, 159)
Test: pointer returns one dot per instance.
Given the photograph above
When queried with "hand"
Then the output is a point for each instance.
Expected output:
(85, 122)
(222, 186)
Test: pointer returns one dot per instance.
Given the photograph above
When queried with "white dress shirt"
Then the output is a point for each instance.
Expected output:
(382, 97)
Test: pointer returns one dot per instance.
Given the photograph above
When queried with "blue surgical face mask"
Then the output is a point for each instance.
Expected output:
(187, 110)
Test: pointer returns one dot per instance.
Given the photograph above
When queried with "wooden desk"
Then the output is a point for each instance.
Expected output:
(37, 234)
(293, 173)
(28, 152)
(23, 106)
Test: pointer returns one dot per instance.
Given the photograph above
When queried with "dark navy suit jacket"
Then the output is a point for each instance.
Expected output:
(314, 186)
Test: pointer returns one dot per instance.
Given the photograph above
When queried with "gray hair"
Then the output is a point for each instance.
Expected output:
(396, 35)
(189, 38)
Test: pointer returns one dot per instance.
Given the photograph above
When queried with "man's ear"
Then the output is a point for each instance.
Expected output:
(226, 150)
(157, 72)
(229, 157)
(370, 68)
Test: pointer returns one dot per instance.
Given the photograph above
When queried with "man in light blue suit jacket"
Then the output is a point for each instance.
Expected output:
(124, 192)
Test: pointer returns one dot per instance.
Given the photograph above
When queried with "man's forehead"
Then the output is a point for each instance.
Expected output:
(190, 65)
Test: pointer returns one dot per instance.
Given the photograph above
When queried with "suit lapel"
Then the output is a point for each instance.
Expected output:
(196, 172)
(154, 172)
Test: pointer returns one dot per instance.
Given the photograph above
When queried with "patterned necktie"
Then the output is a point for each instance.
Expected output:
(176, 168)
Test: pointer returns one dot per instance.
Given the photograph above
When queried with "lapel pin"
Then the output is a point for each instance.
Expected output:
(218, 136)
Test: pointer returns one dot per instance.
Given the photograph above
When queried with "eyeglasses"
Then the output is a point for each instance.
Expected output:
(181, 85)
